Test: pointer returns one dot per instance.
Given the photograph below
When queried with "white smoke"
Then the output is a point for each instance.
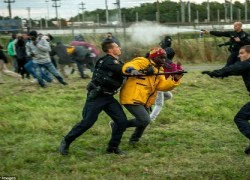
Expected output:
(148, 33)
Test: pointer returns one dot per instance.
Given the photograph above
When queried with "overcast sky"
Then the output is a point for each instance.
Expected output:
(69, 8)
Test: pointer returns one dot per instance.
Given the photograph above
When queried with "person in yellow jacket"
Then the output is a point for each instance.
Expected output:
(139, 92)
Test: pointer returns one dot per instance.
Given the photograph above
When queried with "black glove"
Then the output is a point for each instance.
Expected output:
(212, 74)
(205, 72)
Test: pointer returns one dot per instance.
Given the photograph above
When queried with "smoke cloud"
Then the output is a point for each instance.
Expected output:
(148, 33)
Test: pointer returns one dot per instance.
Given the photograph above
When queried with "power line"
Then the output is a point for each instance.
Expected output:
(82, 8)
(9, 6)
(55, 5)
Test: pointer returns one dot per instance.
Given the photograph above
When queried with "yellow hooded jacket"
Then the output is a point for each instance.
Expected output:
(143, 89)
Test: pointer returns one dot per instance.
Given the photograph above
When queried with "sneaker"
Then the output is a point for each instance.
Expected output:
(115, 150)
(64, 147)
(247, 150)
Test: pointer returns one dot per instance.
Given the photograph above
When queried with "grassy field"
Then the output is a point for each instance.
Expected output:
(193, 138)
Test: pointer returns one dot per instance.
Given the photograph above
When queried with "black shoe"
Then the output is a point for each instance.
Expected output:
(247, 150)
(64, 147)
(115, 151)
(133, 143)
(72, 71)
(64, 83)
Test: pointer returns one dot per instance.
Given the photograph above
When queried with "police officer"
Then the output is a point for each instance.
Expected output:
(242, 68)
(238, 38)
(107, 78)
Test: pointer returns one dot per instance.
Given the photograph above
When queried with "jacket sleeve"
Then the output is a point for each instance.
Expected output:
(43, 45)
(221, 33)
(138, 63)
(166, 84)
(239, 68)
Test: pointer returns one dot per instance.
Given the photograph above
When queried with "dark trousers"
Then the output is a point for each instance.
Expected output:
(241, 119)
(233, 58)
(21, 70)
(92, 109)
(141, 120)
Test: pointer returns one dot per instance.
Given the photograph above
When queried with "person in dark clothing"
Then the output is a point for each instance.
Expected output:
(109, 36)
(63, 57)
(238, 38)
(107, 78)
(21, 55)
(166, 42)
(241, 68)
(3, 67)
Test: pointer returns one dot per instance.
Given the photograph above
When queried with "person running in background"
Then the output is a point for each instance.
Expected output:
(21, 55)
(38, 48)
(166, 42)
(3, 67)
(161, 95)
(110, 36)
(12, 52)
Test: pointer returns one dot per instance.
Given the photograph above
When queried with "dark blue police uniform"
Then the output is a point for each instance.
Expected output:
(234, 46)
(243, 116)
(107, 78)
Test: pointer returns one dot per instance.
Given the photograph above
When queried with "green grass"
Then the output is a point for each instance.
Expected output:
(193, 138)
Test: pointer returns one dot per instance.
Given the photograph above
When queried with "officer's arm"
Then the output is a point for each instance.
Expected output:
(221, 33)
(138, 64)
(233, 70)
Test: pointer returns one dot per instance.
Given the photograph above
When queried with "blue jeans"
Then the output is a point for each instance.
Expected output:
(30, 68)
(50, 68)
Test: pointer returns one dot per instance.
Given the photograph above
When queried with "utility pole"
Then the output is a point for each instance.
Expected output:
(197, 16)
(189, 11)
(218, 15)
(136, 17)
(208, 11)
(178, 17)
(225, 6)
(9, 6)
(182, 11)
(47, 18)
(158, 11)
(82, 8)
(239, 14)
(231, 11)
(118, 3)
(29, 20)
(107, 12)
(246, 10)
(55, 5)
(98, 19)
